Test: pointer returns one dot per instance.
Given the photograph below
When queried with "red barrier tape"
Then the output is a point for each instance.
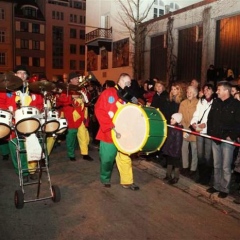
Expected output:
(205, 135)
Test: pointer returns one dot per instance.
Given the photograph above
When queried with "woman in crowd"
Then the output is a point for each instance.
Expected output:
(204, 145)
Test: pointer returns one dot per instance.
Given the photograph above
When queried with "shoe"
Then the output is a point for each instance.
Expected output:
(212, 190)
(5, 157)
(167, 178)
(222, 195)
(131, 186)
(72, 159)
(25, 179)
(107, 185)
(173, 181)
(185, 172)
(87, 157)
(237, 200)
(33, 176)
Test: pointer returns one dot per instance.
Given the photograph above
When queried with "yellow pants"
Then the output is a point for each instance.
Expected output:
(83, 139)
(124, 165)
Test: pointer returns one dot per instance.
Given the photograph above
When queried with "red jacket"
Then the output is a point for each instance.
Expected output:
(67, 105)
(105, 109)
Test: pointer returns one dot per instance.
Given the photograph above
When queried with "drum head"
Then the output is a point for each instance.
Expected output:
(4, 130)
(140, 129)
(131, 123)
(51, 126)
(27, 126)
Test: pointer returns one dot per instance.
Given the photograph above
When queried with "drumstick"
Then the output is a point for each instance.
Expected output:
(118, 135)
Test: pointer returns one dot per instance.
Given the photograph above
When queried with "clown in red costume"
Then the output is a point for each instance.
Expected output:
(105, 108)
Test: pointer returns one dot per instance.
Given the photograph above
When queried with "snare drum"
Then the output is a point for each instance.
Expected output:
(27, 120)
(5, 123)
(51, 123)
(63, 126)
(141, 129)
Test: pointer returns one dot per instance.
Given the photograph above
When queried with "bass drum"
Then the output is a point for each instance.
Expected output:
(139, 129)
(5, 123)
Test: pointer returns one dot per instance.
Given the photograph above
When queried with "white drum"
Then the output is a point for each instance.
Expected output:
(27, 120)
(63, 126)
(5, 123)
(50, 124)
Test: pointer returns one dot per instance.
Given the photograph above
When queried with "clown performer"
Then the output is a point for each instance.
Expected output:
(72, 105)
(105, 108)
(18, 99)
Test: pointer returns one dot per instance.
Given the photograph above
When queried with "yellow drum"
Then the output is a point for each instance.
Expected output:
(139, 129)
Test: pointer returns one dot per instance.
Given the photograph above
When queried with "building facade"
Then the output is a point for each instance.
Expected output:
(65, 36)
(6, 37)
(181, 45)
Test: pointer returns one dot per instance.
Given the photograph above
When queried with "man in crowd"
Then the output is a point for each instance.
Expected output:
(223, 122)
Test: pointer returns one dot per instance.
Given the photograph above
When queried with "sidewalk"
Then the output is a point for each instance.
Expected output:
(189, 186)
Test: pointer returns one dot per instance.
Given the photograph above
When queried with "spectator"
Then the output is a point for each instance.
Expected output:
(235, 89)
(172, 149)
(187, 108)
(160, 98)
(223, 122)
(204, 145)
(148, 87)
(212, 75)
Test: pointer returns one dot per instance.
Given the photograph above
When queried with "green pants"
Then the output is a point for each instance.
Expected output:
(4, 149)
(23, 157)
(108, 154)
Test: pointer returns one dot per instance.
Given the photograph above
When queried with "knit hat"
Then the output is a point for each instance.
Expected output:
(177, 117)
(72, 75)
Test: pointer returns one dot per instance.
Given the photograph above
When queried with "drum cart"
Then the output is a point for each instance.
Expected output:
(42, 167)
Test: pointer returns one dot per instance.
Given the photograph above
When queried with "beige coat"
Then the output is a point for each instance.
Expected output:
(187, 108)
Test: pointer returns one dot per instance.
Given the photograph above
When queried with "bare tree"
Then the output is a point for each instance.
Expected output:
(132, 18)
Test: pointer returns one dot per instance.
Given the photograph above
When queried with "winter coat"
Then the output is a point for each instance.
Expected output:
(173, 144)
(224, 119)
(187, 108)
(201, 113)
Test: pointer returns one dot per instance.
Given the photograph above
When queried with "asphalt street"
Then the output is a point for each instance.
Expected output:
(89, 211)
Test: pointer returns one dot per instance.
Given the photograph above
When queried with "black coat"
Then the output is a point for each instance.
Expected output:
(224, 119)
(161, 102)
(173, 145)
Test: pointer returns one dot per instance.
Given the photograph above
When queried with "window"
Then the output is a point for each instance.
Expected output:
(73, 33)
(82, 50)
(171, 5)
(57, 50)
(30, 12)
(24, 44)
(73, 18)
(24, 61)
(2, 58)
(35, 28)
(161, 12)
(155, 12)
(57, 15)
(57, 63)
(81, 65)
(35, 45)
(2, 14)
(80, 19)
(2, 36)
(73, 64)
(36, 62)
(57, 33)
(23, 26)
(73, 49)
(82, 34)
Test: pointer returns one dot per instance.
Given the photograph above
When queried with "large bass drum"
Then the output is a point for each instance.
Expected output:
(139, 129)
